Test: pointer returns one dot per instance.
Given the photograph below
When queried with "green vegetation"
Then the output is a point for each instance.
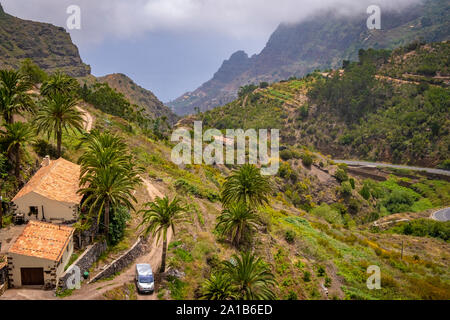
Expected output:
(108, 176)
(424, 228)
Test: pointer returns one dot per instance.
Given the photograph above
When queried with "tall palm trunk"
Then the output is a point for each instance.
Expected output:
(164, 253)
(1, 213)
(59, 141)
(106, 218)
(17, 166)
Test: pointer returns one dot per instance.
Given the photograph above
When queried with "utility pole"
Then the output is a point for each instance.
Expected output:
(402, 251)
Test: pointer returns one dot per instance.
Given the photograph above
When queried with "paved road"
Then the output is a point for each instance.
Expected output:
(388, 165)
(442, 215)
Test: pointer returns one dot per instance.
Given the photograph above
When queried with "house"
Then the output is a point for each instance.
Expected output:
(51, 194)
(39, 255)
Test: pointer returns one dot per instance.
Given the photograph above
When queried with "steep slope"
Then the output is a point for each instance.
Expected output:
(320, 42)
(48, 46)
(392, 107)
(139, 96)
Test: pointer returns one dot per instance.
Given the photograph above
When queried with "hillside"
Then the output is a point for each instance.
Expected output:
(391, 107)
(139, 96)
(314, 233)
(48, 46)
(321, 42)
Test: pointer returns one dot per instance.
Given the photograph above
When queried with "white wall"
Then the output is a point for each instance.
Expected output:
(53, 210)
(54, 271)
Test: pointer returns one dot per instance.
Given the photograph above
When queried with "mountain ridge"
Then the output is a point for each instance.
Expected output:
(49, 46)
(138, 95)
(320, 42)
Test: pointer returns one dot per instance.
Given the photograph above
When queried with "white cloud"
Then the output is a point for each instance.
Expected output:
(132, 18)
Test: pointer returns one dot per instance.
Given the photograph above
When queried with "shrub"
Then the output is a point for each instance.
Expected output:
(291, 295)
(307, 160)
(424, 228)
(346, 189)
(352, 183)
(286, 155)
(353, 206)
(263, 85)
(365, 192)
(445, 165)
(307, 276)
(399, 201)
(289, 236)
(321, 271)
(341, 175)
(119, 219)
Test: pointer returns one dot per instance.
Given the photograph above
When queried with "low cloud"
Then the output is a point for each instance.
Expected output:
(132, 18)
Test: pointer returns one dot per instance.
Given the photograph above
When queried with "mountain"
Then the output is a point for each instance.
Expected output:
(139, 96)
(48, 46)
(321, 42)
(389, 107)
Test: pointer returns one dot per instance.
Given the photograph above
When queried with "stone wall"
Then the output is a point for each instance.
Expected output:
(3, 274)
(84, 262)
(123, 261)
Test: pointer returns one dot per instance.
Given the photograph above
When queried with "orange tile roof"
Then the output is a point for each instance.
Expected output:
(42, 240)
(58, 181)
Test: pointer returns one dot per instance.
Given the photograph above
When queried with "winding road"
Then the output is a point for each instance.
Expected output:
(442, 215)
(395, 166)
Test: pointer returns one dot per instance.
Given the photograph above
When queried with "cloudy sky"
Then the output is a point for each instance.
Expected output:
(173, 46)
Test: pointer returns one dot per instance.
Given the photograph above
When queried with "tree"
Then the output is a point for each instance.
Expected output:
(160, 216)
(103, 150)
(246, 185)
(236, 220)
(109, 187)
(218, 287)
(32, 71)
(107, 175)
(59, 83)
(251, 277)
(16, 136)
(14, 98)
(59, 113)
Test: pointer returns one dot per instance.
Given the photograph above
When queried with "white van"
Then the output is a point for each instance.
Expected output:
(145, 281)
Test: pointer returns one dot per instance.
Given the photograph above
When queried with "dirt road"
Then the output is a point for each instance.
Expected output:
(88, 119)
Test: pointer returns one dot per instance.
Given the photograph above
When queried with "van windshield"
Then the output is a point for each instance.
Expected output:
(146, 279)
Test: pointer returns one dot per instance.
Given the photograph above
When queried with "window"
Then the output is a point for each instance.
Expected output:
(34, 211)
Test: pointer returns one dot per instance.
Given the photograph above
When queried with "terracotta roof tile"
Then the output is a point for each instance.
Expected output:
(42, 240)
(58, 181)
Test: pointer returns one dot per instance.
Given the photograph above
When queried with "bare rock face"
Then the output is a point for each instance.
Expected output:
(48, 46)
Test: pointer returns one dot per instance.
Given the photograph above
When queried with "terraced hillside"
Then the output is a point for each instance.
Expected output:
(380, 109)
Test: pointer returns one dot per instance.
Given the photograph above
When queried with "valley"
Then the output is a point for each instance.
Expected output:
(378, 101)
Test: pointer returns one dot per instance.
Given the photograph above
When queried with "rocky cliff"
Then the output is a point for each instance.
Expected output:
(48, 46)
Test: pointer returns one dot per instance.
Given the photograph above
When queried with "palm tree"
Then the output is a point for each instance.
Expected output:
(59, 113)
(103, 150)
(246, 185)
(236, 220)
(16, 136)
(251, 277)
(159, 216)
(14, 98)
(218, 287)
(109, 187)
(59, 83)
